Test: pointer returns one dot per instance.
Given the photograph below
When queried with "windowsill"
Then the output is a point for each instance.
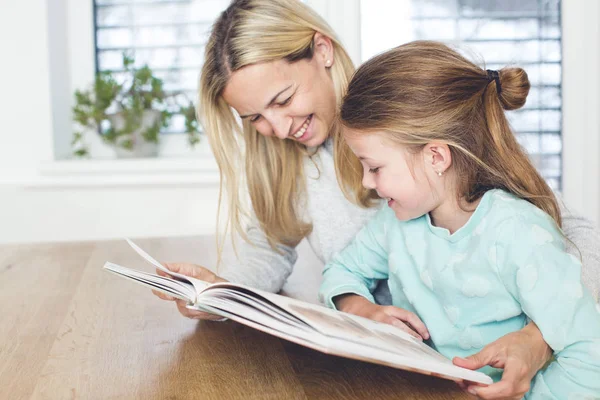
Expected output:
(176, 171)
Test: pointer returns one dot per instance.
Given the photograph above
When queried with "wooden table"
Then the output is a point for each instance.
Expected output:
(71, 330)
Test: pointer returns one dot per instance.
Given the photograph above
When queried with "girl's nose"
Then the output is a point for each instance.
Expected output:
(368, 182)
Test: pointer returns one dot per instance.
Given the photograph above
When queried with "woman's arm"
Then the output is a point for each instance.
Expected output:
(586, 239)
(258, 265)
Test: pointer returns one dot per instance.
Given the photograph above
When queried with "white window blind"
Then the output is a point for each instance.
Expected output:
(526, 33)
(168, 35)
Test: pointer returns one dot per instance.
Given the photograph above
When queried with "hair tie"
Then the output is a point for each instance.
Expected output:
(493, 75)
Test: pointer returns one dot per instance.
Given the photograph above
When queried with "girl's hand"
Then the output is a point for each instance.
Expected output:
(403, 319)
(521, 354)
(194, 271)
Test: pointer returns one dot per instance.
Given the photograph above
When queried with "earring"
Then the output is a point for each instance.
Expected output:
(440, 173)
(327, 63)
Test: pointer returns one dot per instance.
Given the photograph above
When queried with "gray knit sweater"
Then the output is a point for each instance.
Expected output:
(335, 222)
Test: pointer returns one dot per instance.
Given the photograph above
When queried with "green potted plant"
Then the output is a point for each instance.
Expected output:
(128, 115)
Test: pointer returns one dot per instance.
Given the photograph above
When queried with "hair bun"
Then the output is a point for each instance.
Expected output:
(515, 88)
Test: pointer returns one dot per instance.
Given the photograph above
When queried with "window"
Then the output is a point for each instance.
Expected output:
(526, 33)
(168, 35)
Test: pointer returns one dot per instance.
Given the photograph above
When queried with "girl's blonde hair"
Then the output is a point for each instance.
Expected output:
(424, 91)
(250, 32)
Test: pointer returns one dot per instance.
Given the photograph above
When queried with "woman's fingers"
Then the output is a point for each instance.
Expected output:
(514, 384)
(511, 353)
(410, 318)
(163, 296)
(161, 272)
(474, 361)
(195, 314)
(501, 390)
(192, 270)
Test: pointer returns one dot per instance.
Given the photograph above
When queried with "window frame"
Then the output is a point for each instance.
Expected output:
(581, 122)
(78, 51)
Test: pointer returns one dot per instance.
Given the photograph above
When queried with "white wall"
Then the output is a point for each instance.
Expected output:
(40, 201)
(25, 102)
(581, 106)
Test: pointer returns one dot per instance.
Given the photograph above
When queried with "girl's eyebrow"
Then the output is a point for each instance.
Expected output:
(270, 103)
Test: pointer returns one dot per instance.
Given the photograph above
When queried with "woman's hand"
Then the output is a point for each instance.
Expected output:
(403, 319)
(194, 271)
(521, 354)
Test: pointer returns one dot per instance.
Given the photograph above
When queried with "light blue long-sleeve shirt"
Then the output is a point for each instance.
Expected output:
(507, 265)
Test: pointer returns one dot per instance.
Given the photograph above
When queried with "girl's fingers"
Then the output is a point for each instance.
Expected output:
(399, 324)
(411, 318)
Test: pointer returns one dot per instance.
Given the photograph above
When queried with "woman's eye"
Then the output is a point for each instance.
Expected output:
(286, 101)
(255, 119)
(373, 170)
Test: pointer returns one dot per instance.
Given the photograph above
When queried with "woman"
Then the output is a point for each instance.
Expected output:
(280, 67)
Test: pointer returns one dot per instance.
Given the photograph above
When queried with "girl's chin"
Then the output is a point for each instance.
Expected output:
(401, 214)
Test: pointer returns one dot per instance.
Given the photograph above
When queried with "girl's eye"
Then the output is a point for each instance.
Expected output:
(255, 119)
(373, 170)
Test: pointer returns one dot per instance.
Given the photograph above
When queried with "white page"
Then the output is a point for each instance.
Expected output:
(343, 348)
(182, 290)
(249, 301)
(198, 284)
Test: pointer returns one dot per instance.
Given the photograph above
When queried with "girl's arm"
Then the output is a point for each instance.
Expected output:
(547, 283)
(586, 237)
(358, 267)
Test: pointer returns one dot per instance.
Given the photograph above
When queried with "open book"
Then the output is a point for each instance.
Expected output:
(319, 328)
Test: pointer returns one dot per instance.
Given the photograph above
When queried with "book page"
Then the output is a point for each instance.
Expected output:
(182, 290)
(246, 300)
(334, 323)
(198, 284)
(359, 342)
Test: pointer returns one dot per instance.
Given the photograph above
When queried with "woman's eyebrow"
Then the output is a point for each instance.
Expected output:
(270, 103)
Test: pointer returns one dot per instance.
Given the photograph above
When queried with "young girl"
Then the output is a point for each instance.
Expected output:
(470, 239)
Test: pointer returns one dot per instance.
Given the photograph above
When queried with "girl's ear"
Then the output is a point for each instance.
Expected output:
(323, 49)
(438, 156)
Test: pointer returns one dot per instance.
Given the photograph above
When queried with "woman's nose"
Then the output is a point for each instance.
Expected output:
(281, 126)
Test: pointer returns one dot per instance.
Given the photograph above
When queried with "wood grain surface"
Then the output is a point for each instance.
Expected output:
(70, 330)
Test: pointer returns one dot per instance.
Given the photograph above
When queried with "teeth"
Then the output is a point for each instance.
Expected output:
(303, 128)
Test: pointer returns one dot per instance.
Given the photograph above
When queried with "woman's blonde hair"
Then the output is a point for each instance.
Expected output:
(250, 32)
(424, 91)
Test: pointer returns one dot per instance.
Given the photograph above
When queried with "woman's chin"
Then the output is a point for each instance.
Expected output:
(317, 138)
